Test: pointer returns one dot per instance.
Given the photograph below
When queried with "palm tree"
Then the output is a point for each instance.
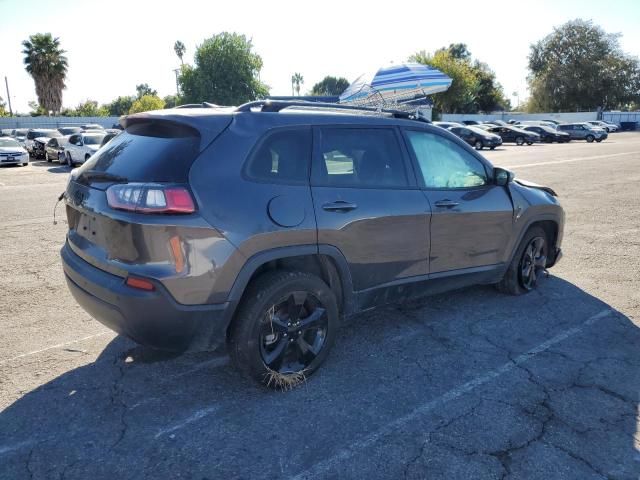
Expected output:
(179, 48)
(45, 61)
(296, 80)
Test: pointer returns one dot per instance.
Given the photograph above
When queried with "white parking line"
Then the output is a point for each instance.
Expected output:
(569, 160)
(52, 347)
(350, 451)
(193, 418)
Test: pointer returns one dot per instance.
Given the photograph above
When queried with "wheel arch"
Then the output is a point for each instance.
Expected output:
(551, 227)
(324, 261)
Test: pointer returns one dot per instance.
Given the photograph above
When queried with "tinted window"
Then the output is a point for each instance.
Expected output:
(73, 139)
(282, 156)
(148, 152)
(444, 164)
(93, 139)
(52, 143)
(360, 157)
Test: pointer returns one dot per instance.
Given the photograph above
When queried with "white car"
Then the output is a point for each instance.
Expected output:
(12, 153)
(81, 146)
(606, 126)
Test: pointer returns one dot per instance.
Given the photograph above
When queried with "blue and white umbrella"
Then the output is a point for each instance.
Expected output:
(394, 85)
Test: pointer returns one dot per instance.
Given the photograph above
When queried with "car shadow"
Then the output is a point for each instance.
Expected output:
(547, 382)
(52, 167)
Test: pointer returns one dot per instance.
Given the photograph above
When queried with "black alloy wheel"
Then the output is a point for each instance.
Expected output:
(293, 332)
(533, 262)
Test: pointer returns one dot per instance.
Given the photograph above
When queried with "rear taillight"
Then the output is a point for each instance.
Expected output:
(150, 198)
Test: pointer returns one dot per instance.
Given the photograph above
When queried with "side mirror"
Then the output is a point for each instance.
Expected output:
(503, 177)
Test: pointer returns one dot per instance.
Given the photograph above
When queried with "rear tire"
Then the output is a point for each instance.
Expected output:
(528, 264)
(478, 145)
(519, 141)
(264, 341)
(492, 148)
(590, 138)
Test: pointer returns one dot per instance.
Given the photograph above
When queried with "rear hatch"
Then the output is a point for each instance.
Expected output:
(128, 205)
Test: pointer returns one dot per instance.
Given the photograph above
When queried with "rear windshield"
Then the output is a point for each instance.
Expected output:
(144, 153)
(43, 133)
(93, 139)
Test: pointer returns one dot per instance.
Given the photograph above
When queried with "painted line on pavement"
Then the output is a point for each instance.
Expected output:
(350, 451)
(569, 160)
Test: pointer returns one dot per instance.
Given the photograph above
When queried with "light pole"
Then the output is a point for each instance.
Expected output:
(515, 94)
(177, 84)
(6, 82)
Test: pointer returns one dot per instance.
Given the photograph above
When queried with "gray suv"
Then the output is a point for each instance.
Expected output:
(263, 227)
(583, 131)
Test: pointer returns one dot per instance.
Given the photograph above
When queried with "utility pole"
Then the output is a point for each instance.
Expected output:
(177, 84)
(6, 82)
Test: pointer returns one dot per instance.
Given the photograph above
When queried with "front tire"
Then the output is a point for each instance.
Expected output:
(519, 141)
(590, 138)
(284, 328)
(528, 264)
(478, 145)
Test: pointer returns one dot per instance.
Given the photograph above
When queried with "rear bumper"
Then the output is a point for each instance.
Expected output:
(153, 319)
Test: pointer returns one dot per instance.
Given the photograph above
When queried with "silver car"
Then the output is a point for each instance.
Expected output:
(583, 131)
(12, 153)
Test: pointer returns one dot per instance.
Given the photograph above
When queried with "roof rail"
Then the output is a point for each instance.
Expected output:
(199, 105)
(278, 105)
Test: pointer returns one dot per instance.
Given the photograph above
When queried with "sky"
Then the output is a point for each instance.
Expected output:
(114, 45)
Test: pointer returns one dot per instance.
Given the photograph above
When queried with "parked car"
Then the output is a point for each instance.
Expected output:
(607, 127)
(188, 231)
(496, 122)
(54, 149)
(20, 135)
(6, 132)
(34, 133)
(535, 122)
(477, 137)
(38, 147)
(81, 146)
(548, 134)
(511, 134)
(446, 125)
(108, 137)
(91, 126)
(12, 153)
(471, 122)
(66, 131)
(555, 122)
(583, 131)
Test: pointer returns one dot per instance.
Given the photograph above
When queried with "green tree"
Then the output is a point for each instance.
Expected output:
(459, 51)
(144, 89)
(330, 86)
(120, 106)
(461, 96)
(171, 101)
(180, 49)
(36, 109)
(90, 108)
(45, 61)
(147, 103)
(579, 66)
(296, 81)
(490, 96)
(226, 72)
(3, 108)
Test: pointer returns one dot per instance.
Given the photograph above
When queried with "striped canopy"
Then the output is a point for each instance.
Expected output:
(394, 85)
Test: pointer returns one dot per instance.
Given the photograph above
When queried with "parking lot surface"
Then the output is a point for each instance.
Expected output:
(470, 384)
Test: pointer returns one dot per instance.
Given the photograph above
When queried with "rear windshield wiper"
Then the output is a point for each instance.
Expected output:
(99, 175)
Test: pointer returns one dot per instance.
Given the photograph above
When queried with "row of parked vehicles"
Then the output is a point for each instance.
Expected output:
(493, 133)
(70, 145)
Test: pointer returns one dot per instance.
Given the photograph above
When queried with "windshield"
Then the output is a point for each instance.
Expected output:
(93, 139)
(69, 130)
(8, 142)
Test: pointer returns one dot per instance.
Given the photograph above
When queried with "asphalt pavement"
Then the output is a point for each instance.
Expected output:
(470, 384)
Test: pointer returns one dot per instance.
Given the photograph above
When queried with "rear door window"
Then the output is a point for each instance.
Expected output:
(360, 157)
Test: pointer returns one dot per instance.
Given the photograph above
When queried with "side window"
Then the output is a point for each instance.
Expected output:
(282, 157)
(444, 164)
(360, 157)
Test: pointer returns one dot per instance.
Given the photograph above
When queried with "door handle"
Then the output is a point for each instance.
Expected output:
(339, 206)
(446, 203)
